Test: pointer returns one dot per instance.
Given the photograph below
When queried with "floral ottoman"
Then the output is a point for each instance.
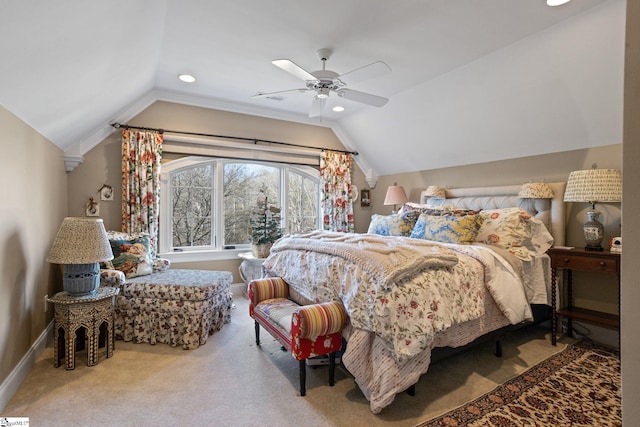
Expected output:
(175, 307)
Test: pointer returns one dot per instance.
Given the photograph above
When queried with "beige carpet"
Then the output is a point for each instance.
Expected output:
(231, 382)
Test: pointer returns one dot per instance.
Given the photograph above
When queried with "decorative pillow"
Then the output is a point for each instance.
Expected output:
(393, 225)
(505, 228)
(541, 240)
(447, 228)
(131, 254)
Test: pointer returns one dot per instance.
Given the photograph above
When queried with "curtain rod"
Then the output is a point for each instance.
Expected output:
(237, 138)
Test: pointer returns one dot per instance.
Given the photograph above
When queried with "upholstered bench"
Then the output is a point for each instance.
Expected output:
(304, 330)
(175, 307)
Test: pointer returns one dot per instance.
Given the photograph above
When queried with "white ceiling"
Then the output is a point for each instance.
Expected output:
(471, 80)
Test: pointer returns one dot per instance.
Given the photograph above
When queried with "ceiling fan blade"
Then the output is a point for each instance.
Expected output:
(293, 68)
(365, 98)
(366, 72)
(280, 92)
(317, 106)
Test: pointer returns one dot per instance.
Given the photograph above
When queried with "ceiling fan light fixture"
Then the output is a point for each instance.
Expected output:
(323, 93)
(187, 78)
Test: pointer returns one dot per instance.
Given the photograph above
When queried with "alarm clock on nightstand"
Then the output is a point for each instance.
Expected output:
(615, 245)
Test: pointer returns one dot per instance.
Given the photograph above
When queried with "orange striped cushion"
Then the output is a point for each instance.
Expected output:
(271, 287)
(319, 319)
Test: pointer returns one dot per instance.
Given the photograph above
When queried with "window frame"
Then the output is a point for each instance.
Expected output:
(217, 251)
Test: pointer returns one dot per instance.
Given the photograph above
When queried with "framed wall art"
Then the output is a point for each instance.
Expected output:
(92, 208)
(365, 198)
(106, 193)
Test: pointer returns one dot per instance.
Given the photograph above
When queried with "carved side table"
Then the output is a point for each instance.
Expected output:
(94, 313)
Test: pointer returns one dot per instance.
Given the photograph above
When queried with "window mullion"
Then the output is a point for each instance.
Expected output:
(284, 199)
(217, 214)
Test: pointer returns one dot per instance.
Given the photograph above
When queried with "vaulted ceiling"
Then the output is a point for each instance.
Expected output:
(470, 81)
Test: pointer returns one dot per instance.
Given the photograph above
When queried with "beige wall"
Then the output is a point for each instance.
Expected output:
(631, 211)
(33, 204)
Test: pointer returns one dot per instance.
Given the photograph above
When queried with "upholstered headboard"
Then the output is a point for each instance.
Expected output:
(550, 211)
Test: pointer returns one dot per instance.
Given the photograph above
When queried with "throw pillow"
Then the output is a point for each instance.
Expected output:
(505, 228)
(393, 225)
(448, 228)
(131, 254)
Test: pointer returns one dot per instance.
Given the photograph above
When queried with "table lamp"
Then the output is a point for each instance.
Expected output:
(592, 186)
(395, 196)
(81, 243)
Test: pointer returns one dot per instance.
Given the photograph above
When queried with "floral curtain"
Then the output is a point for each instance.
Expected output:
(337, 205)
(141, 155)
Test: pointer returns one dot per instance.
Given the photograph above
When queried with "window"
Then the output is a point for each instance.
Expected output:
(206, 204)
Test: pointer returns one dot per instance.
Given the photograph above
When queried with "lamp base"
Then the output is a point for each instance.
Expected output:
(593, 232)
(80, 279)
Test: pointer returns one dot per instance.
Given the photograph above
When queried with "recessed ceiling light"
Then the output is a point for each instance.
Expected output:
(557, 2)
(338, 108)
(187, 78)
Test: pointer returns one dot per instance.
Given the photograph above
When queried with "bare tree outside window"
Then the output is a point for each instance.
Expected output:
(192, 213)
(303, 203)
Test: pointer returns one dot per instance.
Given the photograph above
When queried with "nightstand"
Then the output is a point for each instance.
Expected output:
(583, 260)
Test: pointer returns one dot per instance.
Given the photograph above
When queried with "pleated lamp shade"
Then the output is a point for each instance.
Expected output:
(535, 190)
(80, 241)
(594, 185)
(436, 191)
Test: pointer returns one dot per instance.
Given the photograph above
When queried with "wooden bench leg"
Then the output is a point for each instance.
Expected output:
(303, 377)
(332, 368)
(411, 391)
(257, 333)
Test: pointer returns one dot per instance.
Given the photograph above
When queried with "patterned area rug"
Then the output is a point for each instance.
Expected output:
(579, 386)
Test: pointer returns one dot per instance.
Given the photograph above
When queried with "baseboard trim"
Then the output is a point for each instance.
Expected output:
(20, 372)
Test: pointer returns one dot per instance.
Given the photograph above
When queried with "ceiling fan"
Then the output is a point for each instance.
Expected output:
(324, 81)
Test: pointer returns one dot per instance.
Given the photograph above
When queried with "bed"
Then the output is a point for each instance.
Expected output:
(419, 289)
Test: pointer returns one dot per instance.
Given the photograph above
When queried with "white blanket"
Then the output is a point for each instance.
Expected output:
(388, 261)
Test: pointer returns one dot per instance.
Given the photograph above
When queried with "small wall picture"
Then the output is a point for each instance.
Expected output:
(106, 193)
(365, 199)
(92, 208)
